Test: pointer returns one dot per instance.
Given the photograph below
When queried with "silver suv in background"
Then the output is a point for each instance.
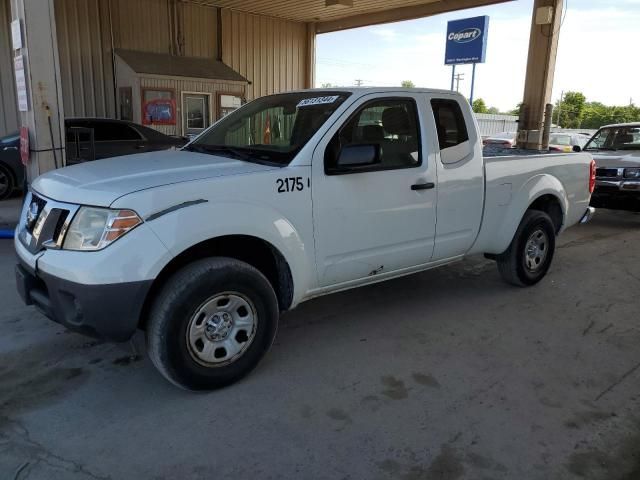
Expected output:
(616, 150)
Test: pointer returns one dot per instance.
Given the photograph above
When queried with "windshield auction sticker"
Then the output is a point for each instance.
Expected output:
(308, 102)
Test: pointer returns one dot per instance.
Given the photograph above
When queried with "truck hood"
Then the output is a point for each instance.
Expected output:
(101, 182)
(617, 159)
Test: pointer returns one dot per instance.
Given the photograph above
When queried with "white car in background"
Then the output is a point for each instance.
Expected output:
(502, 139)
(566, 142)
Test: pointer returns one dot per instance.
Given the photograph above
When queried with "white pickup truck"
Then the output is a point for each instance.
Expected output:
(290, 197)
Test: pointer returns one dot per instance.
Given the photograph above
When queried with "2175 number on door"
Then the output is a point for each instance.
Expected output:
(291, 184)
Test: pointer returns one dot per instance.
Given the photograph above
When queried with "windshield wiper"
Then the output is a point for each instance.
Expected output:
(241, 153)
(601, 148)
(219, 149)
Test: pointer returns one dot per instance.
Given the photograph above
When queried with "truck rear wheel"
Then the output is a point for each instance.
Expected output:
(529, 256)
(211, 323)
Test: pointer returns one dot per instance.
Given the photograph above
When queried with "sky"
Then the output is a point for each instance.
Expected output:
(598, 54)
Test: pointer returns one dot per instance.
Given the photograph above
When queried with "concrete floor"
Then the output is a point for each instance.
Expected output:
(449, 374)
(10, 211)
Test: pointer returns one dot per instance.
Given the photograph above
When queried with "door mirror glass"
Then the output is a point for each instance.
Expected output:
(577, 148)
(358, 156)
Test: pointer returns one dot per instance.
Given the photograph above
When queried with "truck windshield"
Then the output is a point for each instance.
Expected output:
(615, 138)
(271, 129)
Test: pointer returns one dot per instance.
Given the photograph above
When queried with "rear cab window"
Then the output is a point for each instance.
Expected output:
(452, 132)
(450, 123)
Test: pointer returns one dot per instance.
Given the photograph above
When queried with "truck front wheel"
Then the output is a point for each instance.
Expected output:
(529, 256)
(211, 323)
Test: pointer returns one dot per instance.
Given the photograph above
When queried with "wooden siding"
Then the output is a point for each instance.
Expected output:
(165, 26)
(9, 119)
(86, 30)
(272, 53)
(179, 85)
(269, 52)
(143, 25)
(86, 68)
(199, 31)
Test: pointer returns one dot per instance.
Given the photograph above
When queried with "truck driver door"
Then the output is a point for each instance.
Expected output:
(375, 219)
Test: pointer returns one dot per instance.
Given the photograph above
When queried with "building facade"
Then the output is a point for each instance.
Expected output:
(267, 54)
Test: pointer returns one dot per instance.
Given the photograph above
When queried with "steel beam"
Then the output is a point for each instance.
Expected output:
(541, 64)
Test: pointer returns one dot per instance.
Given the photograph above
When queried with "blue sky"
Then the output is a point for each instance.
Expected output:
(599, 53)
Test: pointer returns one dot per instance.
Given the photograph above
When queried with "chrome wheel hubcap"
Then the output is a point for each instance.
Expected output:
(536, 250)
(222, 329)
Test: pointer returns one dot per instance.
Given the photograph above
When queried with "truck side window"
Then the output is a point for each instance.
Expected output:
(450, 124)
(391, 123)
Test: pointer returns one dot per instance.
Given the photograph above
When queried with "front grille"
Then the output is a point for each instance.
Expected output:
(41, 202)
(32, 216)
(607, 172)
(60, 224)
(45, 223)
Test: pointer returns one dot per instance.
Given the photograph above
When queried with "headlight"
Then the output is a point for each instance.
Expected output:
(95, 228)
(632, 173)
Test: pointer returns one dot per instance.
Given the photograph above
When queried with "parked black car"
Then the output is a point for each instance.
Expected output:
(87, 139)
(11, 168)
(96, 138)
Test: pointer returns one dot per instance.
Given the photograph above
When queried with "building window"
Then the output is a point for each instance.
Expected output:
(195, 112)
(158, 106)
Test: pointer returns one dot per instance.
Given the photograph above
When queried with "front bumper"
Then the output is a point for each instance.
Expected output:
(99, 293)
(617, 195)
(109, 311)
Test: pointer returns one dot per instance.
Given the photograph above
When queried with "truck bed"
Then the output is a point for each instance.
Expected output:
(496, 151)
(510, 179)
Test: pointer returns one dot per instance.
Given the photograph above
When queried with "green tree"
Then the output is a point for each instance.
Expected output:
(570, 110)
(493, 111)
(596, 114)
(516, 111)
(407, 84)
(479, 106)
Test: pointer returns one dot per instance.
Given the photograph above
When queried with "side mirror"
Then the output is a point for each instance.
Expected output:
(577, 148)
(354, 157)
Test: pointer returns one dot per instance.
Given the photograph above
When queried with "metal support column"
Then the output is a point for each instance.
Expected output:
(44, 114)
(453, 75)
(543, 48)
(473, 83)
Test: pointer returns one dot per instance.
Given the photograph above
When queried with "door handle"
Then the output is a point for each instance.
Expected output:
(141, 147)
(6, 149)
(423, 186)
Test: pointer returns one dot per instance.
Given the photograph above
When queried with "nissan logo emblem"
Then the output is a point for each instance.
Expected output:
(32, 214)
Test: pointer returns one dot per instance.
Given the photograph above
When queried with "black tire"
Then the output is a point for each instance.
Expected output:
(173, 315)
(7, 183)
(514, 265)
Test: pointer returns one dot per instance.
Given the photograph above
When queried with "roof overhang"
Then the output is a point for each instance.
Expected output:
(334, 15)
(177, 66)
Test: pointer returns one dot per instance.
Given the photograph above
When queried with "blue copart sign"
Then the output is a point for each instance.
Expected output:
(466, 41)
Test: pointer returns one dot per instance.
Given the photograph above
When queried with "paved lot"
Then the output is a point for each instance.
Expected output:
(10, 211)
(449, 374)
